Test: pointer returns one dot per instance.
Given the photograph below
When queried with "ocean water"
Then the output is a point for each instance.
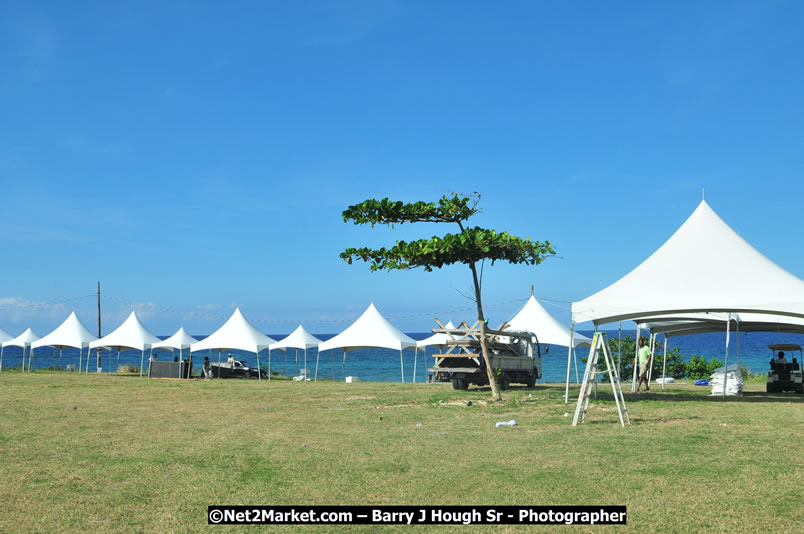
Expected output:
(384, 365)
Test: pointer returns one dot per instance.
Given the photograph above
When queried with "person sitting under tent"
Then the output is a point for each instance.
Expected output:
(207, 369)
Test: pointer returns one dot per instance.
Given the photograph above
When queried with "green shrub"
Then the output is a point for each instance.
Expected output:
(698, 367)
(128, 368)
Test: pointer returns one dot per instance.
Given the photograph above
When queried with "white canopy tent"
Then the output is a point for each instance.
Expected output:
(673, 325)
(4, 336)
(237, 333)
(691, 323)
(179, 341)
(370, 330)
(438, 340)
(23, 341)
(129, 335)
(298, 339)
(71, 333)
(532, 317)
(705, 266)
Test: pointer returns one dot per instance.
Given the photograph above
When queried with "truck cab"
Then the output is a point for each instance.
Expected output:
(515, 358)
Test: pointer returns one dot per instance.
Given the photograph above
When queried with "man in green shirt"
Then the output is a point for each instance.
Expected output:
(644, 356)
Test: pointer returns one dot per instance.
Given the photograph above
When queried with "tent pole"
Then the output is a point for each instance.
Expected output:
(737, 324)
(318, 353)
(726, 365)
(343, 365)
(619, 350)
(664, 365)
(269, 362)
(332, 364)
(259, 371)
(636, 354)
(219, 363)
(286, 360)
(305, 364)
(401, 366)
(297, 360)
(415, 358)
(650, 362)
(569, 361)
(575, 358)
(80, 358)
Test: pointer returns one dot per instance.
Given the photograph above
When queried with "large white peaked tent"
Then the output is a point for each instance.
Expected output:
(4, 336)
(705, 266)
(370, 330)
(71, 333)
(298, 339)
(23, 341)
(129, 335)
(237, 333)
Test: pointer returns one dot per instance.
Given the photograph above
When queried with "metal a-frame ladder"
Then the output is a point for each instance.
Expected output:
(600, 343)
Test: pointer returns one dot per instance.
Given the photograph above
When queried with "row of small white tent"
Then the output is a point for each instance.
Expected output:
(370, 330)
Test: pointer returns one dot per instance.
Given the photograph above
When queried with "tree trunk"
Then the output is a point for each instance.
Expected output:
(495, 390)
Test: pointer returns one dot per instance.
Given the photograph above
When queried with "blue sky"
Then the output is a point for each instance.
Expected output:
(194, 156)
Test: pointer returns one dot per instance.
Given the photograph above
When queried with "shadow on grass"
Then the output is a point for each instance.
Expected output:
(748, 396)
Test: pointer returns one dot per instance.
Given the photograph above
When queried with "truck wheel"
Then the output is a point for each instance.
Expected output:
(532, 380)
(459, 383)
(504, 382)
(770, 388)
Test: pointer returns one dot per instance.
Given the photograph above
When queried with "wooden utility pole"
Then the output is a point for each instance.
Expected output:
(99, 327)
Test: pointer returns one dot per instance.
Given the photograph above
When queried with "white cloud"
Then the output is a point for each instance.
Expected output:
(18, 310)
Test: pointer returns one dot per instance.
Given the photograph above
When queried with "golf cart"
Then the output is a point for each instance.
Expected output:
(784, 376)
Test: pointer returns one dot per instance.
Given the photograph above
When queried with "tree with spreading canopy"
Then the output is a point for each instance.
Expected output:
(469, 246)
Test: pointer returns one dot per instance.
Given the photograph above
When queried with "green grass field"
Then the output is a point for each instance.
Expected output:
(121, 453)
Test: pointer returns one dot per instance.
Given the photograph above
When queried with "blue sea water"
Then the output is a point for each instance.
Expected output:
(384, 365)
